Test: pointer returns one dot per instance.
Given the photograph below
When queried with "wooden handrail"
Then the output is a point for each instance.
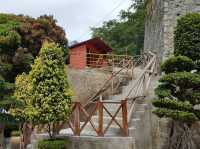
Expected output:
(99, 107)
(141, 81)
(138, 90)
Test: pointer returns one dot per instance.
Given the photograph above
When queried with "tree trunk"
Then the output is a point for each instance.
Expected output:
(26, 131)
(2, 145)
(180, 136)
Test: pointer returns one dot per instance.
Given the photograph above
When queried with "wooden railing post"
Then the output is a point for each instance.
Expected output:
(124, 116)
(100, 118)
(77, 119)
(145, 79)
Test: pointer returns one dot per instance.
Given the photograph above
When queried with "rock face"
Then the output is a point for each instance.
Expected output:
(85, 82)
(160, 23)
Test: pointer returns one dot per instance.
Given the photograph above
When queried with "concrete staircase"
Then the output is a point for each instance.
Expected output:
(139, 128)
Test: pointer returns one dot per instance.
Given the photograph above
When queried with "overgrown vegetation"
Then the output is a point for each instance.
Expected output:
(127, 33)
(21, 38)
(179, 89)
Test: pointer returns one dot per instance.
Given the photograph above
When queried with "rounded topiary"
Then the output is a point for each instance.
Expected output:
(178, 64)
(187, 36)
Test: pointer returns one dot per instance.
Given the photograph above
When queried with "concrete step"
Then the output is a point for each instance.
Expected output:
(112, 111)
(135, 122)
(107, 119)
(140, 107)
(112, 108)
(140, 100)
(138, 114)
(113, 129)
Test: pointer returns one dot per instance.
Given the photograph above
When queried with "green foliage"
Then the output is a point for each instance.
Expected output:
(187, 36)
(179, 89)
(127, 33)
(184, 80)
(51, 96)
(53, 144)
(188, 117)
(6, 101)
(197, 65)
(173, 104)
(9, 42)
(45, 91)
(178, 64)
(21, 38)
(23, 95)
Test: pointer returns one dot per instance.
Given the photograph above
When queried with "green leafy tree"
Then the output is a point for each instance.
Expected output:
(21, 38)
(179, 89)
(127, 33)
(7, 100)
(47, 96)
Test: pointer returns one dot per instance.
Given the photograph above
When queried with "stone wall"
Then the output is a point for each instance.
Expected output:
(160, 23)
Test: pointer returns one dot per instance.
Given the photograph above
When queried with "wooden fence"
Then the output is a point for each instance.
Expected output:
(139, 90)
(81, 116)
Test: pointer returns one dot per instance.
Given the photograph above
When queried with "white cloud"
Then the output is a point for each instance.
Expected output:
(75, 16)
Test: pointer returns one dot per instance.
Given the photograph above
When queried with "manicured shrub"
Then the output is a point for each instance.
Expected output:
(53, 144)
(178, 64)
(179, 89)
(187, 36)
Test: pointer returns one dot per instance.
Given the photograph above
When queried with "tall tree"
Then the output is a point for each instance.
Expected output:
(21, 38)
(47, 96)
(127, 33)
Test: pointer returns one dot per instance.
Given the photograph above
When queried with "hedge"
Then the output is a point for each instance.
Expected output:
(53, 144)
(187, 36)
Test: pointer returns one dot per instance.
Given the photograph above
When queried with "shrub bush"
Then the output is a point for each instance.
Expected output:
(187, 37)
(53, 144)
(178, 64)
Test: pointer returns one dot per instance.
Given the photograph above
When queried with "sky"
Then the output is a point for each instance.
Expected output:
(75, 16)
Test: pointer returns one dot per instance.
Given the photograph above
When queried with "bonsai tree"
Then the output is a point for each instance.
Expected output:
(45, 91)
(179, 89)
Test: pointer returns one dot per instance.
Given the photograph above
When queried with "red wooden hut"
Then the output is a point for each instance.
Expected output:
(88, 53)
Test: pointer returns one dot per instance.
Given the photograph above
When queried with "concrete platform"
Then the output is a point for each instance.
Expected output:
(91, 142)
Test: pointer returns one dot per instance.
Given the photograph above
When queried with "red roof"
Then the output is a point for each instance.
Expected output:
(96, 42)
